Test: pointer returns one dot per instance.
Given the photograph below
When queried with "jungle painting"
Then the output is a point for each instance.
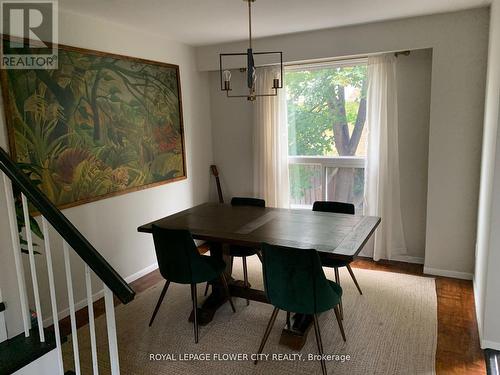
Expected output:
(97, 126)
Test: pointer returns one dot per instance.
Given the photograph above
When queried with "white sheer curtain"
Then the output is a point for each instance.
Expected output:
(382, 189)
(270, 143)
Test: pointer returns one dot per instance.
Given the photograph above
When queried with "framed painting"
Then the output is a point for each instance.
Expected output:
(98, 126)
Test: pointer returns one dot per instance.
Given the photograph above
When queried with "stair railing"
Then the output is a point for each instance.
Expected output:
(73, 240)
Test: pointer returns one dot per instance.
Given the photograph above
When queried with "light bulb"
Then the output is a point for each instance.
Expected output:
(276, 80)
(227, 80)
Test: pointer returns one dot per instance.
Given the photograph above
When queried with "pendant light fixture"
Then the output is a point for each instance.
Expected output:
(269, 89)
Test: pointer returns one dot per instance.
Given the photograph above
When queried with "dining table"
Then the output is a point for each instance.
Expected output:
(334, 235)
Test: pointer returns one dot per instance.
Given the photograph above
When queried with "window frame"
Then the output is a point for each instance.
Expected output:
(326, 162)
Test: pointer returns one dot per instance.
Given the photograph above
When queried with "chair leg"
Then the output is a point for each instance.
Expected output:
(206, 289)
(160, 300)
(226, 288)
(320, 343)
(288, 321)
(267, 332)
(339, 320)
(337, 280)
(194, 297)
(245, 275)
(354, 278)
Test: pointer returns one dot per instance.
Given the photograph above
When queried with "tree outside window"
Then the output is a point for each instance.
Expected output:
(326, 119)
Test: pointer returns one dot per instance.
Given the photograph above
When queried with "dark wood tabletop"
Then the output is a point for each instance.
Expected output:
(338, 235)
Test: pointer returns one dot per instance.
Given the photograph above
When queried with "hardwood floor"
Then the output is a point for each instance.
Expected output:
(458, 350)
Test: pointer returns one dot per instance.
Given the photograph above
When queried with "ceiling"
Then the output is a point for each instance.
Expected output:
(202, 22)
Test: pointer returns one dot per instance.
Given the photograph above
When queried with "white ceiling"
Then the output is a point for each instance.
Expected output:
(201, 22)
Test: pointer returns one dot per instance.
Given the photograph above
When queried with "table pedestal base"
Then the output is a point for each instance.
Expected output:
(215, 300)
(295, 336)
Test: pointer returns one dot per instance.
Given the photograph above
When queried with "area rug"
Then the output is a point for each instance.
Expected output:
(390, 329)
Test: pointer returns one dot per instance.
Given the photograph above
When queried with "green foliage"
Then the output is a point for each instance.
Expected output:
(96, 125)
(311, 95)
(323, 110)
(301, 179)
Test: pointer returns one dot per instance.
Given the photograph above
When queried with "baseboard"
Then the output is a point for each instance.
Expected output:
(407, 259)
(141, 273)
(486, 344)
(78, 305)
(448, 273)
(479, 319)
(100, 294)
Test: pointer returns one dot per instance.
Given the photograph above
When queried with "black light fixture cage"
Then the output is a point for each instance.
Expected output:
(250, 96)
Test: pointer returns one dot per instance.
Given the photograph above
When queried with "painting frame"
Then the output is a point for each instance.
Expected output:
(10, 131)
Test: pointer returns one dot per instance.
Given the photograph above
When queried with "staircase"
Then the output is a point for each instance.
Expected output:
(36, 341)
(20, 351)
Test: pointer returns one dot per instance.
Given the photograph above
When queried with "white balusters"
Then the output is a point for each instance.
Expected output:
(16, 248)
(108, 294)
(90, 306)
(31, 257)
(52, 287)
(111, 323)
(71, 301)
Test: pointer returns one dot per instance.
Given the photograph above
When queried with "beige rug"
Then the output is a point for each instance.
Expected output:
(391, 329)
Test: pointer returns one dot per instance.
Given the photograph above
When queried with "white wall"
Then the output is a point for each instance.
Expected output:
(45, 365)
(459, 42)
(111, 224)
(232, 137)
(414, 96)
(487, 277)
(232, 125)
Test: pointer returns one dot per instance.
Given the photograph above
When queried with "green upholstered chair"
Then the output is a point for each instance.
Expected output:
(180, 262)
(340, 208)
(242, 251)
(294, 281)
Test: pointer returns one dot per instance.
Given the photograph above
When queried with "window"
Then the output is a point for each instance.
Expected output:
(326, 105)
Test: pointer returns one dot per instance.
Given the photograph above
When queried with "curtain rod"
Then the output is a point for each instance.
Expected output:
(326, 61)
(353, 59)
(404, 53)
(318, 62)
